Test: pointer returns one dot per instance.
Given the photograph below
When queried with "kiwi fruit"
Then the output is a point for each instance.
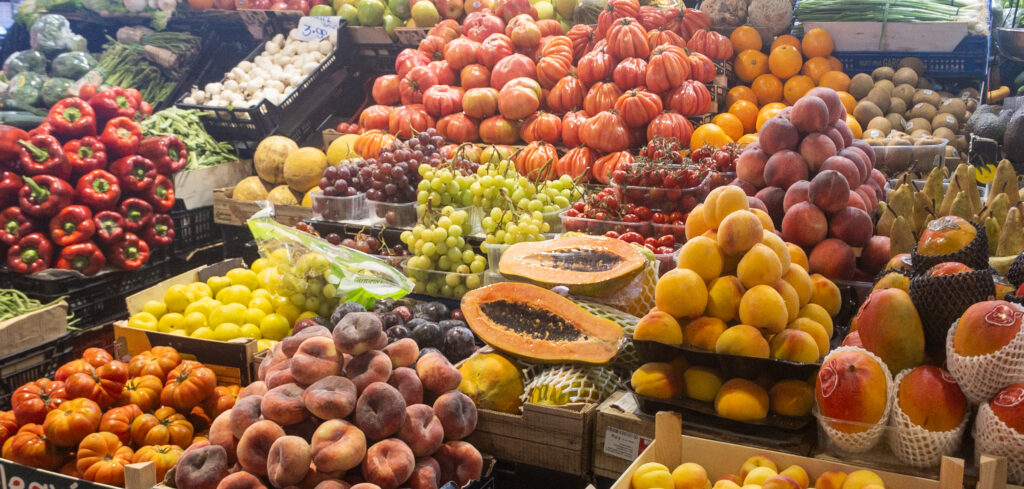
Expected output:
(896, 159)
(927, 96)
(873, 134)
(970, 92)
(956, 107)
(951, 151)
(918, 123)
(875, 141)
(897, 106)
(944, 120)
(860, 85)
(882, 73)
(913, 63)
(886, 85)
(944, 94)
(926, 150)
(922, 110)
(945, 133)
(905, 75)
(920, 133)
(881, 124)
(896, 120)
(880, 98)
(923, 83)
(905, 92)
(865, 111)
(972, 105)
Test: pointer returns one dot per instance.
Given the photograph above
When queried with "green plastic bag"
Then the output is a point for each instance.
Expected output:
(24, 61)
(54, 89)
(23, 90)
(72, 65)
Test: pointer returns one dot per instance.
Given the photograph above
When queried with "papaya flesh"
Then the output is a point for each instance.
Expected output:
(534, 323)
(588, 265)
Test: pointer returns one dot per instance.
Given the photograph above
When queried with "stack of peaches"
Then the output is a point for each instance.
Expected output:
(341, 409)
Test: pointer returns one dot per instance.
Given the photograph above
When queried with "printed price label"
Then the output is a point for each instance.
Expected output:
(317, 28)
(623, 444)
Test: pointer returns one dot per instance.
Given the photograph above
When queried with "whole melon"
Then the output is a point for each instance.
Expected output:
(304, 168)
(270, 157)
(282, 195)
(341, 148)
(250, 188)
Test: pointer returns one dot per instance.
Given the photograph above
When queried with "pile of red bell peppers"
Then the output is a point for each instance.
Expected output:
(85, 189)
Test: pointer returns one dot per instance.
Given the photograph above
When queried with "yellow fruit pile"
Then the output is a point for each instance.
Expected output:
(757, 472)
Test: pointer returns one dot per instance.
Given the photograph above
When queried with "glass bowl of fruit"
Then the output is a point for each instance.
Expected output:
(339, 207)
(665, 188)
(439, 283)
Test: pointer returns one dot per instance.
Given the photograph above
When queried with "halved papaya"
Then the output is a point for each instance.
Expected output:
(537, 324)
(587, 265)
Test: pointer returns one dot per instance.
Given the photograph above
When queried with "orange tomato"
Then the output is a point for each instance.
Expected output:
(785, 61)
(854, 126)
(836, 80)
(745, 37)
(711, 134)
(817, 42)
(768, 88)
(848, 101)
(796, 87)
(786, 39)
(740, 92)
(750, 64)
(816, 67)
(746, 112)
(729, 123)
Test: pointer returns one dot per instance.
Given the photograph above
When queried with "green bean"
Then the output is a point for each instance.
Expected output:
(14, 303)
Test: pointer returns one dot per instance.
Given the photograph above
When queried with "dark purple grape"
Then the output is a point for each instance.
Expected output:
(390, 189)
(428, 335)
(397, 332)
(334, 239)
(458, 344)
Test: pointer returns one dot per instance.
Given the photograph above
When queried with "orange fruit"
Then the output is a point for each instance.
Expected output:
(745, 37)
(796, 87)
(816, 67)
(768, 88)
(764, 115)
(786, 39)
(848, 101)
(817, 42)
(854, 126)
(729, 123)
(709, 134)
(836, 64)
(785, 61)
(750, 64)
(747, 139)
(746, 112)
(740, 92)
(836, 80)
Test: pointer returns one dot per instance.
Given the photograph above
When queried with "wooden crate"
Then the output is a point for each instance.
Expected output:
(621, 433)
(16, 476)
(236, 212)
(671, 448)
(33, 329)
(992, 474)
(552, 437)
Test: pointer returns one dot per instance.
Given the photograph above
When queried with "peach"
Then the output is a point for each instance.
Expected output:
(795, 194)
(795, 346)
(750, 166)
(834, 259)
(358, 332)
(457, 414)
(753, 463)
(337, 446)
(931, 398)
(790, 297)
(797, 256)
(755, 203)
(221, 434)
(241, 480)
(742, 400)
(283, 405)
(273, 356)
(367, 368)
(810, 114)
(791, 398)
(460, 462)
(851, 386)
(303, 429)
(244, 413)
(365, 485)
(780, 482)
(389, 463)
(702, 255)
(798, 278)
(658, 326)
(738, 232)
(759, 266)
(315, 359)
(773, 198)
(332, 484)
(836, 137)
(426, 474)
(778, 134)
(281, 376)
(816, 148)
(747, 187)
(380, 411)
(764, 308)
(721, 202)
(403, 352)
(682, 293)
(724, 296)
(816, 330)
(657, 379)
(695, 225)
(408, 384)
(987, 327)
(845, 167)
(331, 397)
(785, 168)
(257, 388)
(254, 446)
(796, 472)
(742, 340)
(690, 476)
(288, 461)
(868, 194)
(829, 191)
(859, 479)
(202, 468)
(703, 332)
(291, 344)
(702, 383)
(422, 430)
(826, 294)
(874, 255)
(437, 373)
(804, 224)
(857, 201)
(832, 479)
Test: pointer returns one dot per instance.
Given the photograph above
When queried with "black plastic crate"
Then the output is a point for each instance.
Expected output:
(239, 243)
(41, 361)
(377, 58)
(193, 228)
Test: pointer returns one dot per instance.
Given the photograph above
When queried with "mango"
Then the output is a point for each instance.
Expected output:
(890, 327)
(893, 280)
(987, 327)
(851, 386)
(931, 398)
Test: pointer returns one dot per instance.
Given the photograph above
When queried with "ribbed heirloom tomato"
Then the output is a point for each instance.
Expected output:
(164, 426)
(610, 162)
(409, 119)
(638, 107)
(156, 361)
(662, 36)
(630, 73)
(103, 386)
(615, 9)
(670, 125)
(369, 143)
(480, 102)
(441, 100)
(119, 420)
(223, 398)
(189, 384)
(628, 39)
(690, 99)
(475, 76)
(566, 95)
(30, 446)
(96, 356)
(102, 457)
(542, 126)
(376, 117)
(163, 457)
(72, 421)
(32, 401)
(667, 68)
(458, 128)
(143, 391)
(385, 89)
(510, 68)
(433, 47)
(606, 132)
(444, 73)
(571, 123)
(595, 66)
(479, 25)
(461, 52)
(576, 163)
(702, 68)
(414, 83)
(601, 97)
(499, 130)
(583, 39)
(408, 59)
(537, 160)
(71, 368)
(494, 48)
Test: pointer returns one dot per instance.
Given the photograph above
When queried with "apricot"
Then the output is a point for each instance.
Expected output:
(826, 294)
(702, 255)
(767, 221)
(804, 224)
(658, 326)
(702, 383)
(987, 327)
(201, 468)
(795, 346)
(359, 332)
(760, 266)
(724, 296)
(457, 414)
(834, 259)
(657, 379)
(858, 479)
(368, 367)
(721, 202)
(681, 293)
(380, 411)
(816, 330)
(851, 386)
(437, 374)
(931, 398)
(337, 446)
(703, 332)
(460, 462)
(315, 359)
(283, 405)
(389, 463)
(331, 397)
(758, 476)
(738, 232)
(819, 315)
(801, 282)
(742, 400)
(241, 480)
(422, 430)
(763, 307)
(652, 475)
(408, 384)
(254, 446)
(695, 225)
(755, 462)
(790, 297)
(690, 476)
(244, 413)
(288, 461)
(426, 474)
(742, 340)
(832, 479)
(797, 256)
(796, 472)
(403, 352)
(773, 241)
(791, 398)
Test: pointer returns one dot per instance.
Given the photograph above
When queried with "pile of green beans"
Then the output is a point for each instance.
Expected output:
(14, 303)
(203, 149)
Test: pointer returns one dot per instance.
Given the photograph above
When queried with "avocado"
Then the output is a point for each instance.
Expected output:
(1013, 143)
(986, 124)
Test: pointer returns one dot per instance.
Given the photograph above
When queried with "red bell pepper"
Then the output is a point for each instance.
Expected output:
(44, 196)
(86, 258)
(130, 253)
(42, 154)
(73, 224)
(99, 190)
(121, 137)
(113, 102)
(168, 153)
(30, 254)
(14, 225)
(9, 147)
(137, 213)
(135, 95)
(72, 118)
(159, 232)
(85, 155)
(44, 128)
(109, 227)
(10, 184)
(161, 194)
(136, 173)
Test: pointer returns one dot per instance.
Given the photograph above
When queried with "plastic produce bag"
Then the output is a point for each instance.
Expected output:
(51, 34)
(54, 89)
(23, 90)
(22, 61)
(321, 271)
(72, 65)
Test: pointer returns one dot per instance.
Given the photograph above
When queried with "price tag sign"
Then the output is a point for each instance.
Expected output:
(317, 28)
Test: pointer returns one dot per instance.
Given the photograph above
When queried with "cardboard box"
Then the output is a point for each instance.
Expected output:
(234, 361)
(236, 212)
(671, 448)
(196, 187)
(411, 36)
(369, 35)
(329, 135)
(893, 36)
(621, 434)
(33, 329)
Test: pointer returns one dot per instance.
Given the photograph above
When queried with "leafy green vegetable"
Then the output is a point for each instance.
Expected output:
(72, 65)
(54, 89)
(22, 61)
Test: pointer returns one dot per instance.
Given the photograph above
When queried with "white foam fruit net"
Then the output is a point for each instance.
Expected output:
(993, 437)
(914, 445)
(981, 377)
(864, 440)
